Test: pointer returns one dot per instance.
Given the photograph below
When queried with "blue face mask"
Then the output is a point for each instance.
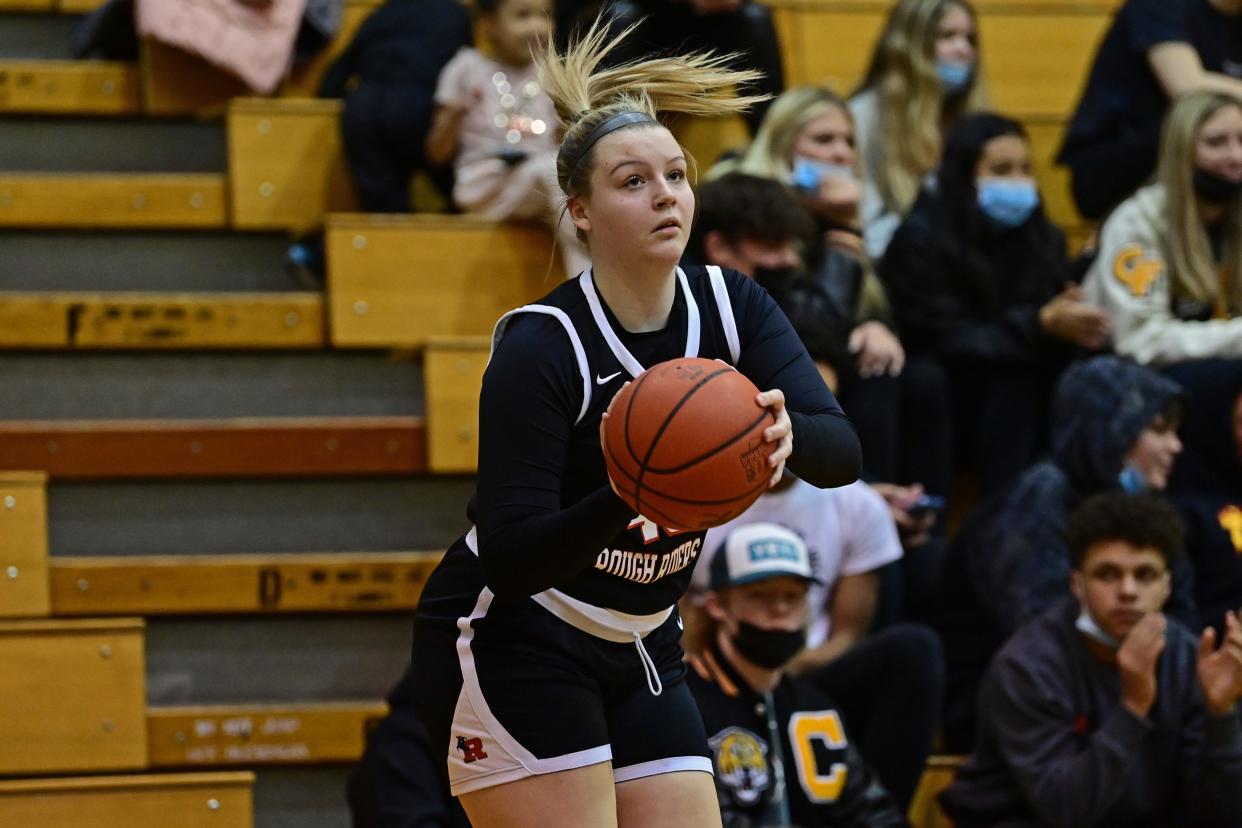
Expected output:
(955, 77)
(1008, 202)
(808, 173)
(1131, 480)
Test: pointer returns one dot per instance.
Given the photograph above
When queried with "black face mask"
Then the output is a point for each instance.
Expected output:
(769, 649)
(1213, 188)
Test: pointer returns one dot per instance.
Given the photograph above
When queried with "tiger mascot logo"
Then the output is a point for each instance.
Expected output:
(741, 764)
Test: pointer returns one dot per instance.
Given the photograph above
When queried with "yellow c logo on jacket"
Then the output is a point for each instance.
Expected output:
(1230, 519)
(1135, 271)
(825, 727)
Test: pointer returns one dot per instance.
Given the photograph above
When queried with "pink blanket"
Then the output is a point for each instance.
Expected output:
(254, 42)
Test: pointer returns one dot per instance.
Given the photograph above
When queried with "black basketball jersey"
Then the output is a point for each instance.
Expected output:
(645, 568)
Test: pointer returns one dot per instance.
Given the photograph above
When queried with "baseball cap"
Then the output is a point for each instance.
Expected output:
(758, 551)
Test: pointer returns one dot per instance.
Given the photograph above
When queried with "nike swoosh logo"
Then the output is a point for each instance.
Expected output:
(605, 380)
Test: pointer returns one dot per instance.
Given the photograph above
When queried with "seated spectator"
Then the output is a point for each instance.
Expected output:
(400, 782)
(807, 141)
(1155, 52)
(1169, 271)
(1103, 711)
(1114, 426)
(780, 750)
(978, 280)
(1207, 489)
(888, 684)
(742, 29)
(387, 76)
(924, 75)
(500, 128)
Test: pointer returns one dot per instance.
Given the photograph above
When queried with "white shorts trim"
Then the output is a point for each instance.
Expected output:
(481, 752)
(673, 764)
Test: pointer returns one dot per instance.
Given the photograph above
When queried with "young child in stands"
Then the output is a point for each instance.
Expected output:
(498, 126)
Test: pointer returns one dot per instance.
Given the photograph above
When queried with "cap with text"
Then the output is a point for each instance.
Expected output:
(758, 551)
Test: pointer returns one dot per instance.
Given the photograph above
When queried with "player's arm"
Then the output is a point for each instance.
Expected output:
(1179, 71)
(826, 451)
(532, 393)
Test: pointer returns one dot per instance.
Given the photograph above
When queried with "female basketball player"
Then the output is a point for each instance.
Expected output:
(546, 643)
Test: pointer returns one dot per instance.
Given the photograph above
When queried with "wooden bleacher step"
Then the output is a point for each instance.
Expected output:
(452, 377)
(239, 584)
(286, 166)
(23, 545)
(399, 281)
(249, 447)
(188, 800)
(925, 811)
(104, 200)
(161, 320)
(68, 87)
(263, 734)
(73, 695)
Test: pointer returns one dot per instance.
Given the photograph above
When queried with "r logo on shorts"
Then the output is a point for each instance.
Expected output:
(471, 749)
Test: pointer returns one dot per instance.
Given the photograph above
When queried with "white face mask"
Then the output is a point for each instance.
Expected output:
(1088, 627)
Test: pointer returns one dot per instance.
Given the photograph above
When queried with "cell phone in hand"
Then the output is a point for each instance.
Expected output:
(926, 504)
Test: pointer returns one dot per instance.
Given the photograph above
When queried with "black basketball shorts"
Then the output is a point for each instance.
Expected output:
(512, 691)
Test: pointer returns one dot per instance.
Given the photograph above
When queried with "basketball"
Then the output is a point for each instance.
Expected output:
(684, 444)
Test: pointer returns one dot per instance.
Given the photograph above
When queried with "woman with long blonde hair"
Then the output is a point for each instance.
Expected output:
(546, 659)
(1169, 270)
(924, 74)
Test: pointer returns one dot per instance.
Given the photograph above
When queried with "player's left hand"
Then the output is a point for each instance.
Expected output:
(781, 432)
(1220, 670)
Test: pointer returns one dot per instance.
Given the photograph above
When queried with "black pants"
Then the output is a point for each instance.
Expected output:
(674, 28)
(889, 689)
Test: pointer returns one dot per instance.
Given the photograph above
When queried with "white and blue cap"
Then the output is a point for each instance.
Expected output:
(758, 551)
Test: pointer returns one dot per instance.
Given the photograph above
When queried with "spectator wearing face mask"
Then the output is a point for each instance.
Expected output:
(924, 75)
(806, 142)
(979, 282)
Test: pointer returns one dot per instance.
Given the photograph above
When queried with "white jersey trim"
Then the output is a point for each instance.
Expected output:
(583, 368)
(673, 764)
(623, 355)
(725, 307)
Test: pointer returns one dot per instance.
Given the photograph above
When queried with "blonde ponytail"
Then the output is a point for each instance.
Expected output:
(586, 95)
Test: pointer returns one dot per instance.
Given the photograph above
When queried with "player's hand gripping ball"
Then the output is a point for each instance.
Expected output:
(683, 444)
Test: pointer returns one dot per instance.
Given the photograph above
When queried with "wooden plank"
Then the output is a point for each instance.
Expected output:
(68, 87)
(257, 447)
(77, 6)
(452, 377)
(1054, 180)
(112, 200)
(175, 82)
(23, 545)
(925, 811)
(161, 320)
(183, 585)
(287, 168)
(397, 281)
(251, 735)
(26, 5)
(73, 696)
(189, 800)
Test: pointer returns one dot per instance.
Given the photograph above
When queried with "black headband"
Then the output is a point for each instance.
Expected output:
(609, 124)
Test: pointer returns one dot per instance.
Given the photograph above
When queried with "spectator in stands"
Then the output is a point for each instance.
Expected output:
(397, 782)
(887, 684)
(741, 28)
(1156, 51)
(780, 750)
(1207, 488)
(1103, 711)
(1169, 271)
(807, 141)
(500, 128)
(1114, 426)
(924, 75)
(978, 278)
(387, 76)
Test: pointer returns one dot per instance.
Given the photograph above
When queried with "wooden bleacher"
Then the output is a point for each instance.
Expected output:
(69, 87)
(113, 201)
(23, 545)
(251, 447)
(161, 320)
(452, 376)
(238, 584)
(925, 811)
(469, 271)
(191, 800)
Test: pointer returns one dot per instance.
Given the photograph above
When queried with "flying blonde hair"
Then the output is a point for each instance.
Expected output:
(1192, 268)
(768, 155)
(586, 95)
(911, 103)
